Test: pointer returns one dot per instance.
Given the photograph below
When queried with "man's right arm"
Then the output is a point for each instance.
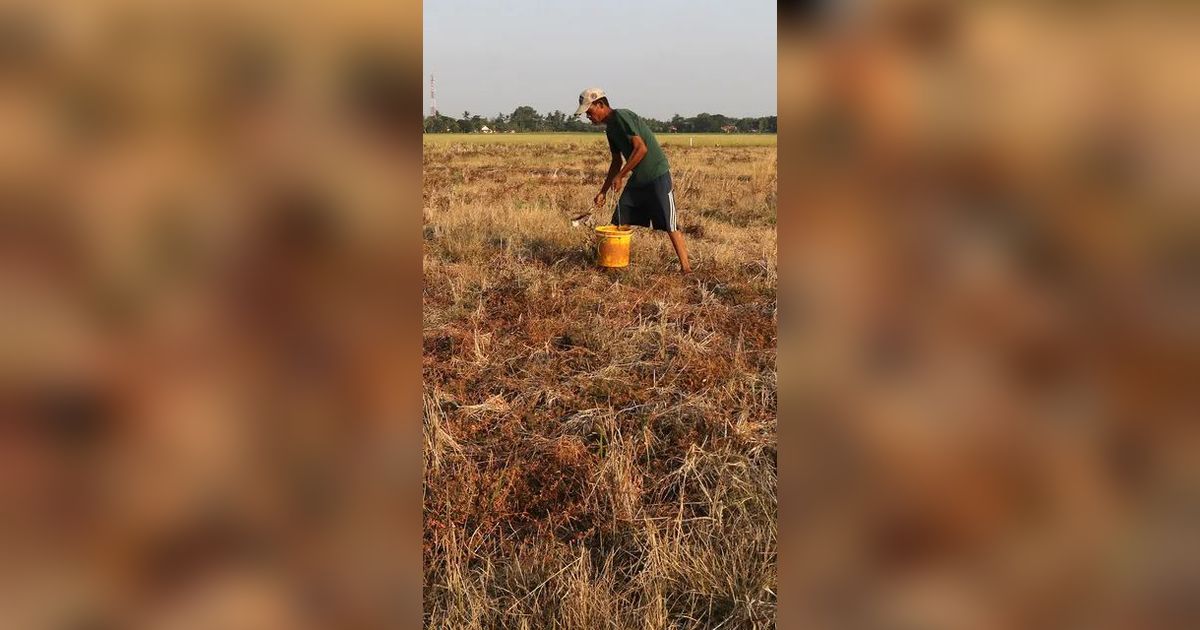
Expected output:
(613, 168)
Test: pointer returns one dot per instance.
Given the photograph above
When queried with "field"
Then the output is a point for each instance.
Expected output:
(600, 445)
(589, 139)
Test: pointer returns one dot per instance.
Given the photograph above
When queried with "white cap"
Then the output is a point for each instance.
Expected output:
(587, 97)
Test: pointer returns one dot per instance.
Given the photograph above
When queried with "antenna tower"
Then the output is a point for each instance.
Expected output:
(432, 98)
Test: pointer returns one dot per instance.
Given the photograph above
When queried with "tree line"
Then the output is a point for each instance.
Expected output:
(526, 118)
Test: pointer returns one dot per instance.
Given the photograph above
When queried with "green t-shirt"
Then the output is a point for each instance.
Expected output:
(620, 128)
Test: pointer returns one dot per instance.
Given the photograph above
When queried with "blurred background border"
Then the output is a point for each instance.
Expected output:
(989, 298)
(210, 339)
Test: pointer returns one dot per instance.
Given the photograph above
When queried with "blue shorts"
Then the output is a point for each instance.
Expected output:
(649, 205)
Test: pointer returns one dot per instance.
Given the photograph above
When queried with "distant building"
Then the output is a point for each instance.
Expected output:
(673, 129)
(485, 129)
(729, 128)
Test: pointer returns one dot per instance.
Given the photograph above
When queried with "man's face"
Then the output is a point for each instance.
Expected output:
(593, 113)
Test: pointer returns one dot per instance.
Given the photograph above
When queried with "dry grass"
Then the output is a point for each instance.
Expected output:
(599, 446)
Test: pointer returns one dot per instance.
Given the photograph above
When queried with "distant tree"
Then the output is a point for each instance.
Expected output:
(655, 125)
(440, 124)
(525, 118)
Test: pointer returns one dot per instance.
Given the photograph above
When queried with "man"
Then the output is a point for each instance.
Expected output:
(648, 201)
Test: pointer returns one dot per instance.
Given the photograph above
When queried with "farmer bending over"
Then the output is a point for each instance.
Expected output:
(648, 200)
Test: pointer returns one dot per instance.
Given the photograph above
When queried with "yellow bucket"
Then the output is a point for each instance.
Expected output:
(612, 247)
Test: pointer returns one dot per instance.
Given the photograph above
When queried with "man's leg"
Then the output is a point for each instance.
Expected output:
(665, 217)
(680, 250)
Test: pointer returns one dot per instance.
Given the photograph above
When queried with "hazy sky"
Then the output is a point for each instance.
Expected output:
(658, 58)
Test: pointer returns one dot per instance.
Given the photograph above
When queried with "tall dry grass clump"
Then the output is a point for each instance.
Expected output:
(599, 446)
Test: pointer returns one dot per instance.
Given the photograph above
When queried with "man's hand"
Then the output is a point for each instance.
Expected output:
(599, 200)
(616, 186)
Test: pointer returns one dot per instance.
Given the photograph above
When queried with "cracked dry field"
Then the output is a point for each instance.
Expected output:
(600, 446)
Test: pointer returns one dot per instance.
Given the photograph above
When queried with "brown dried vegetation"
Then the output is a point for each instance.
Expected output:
(599, 446)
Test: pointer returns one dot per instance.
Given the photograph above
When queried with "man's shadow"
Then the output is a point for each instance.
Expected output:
(555, 254)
